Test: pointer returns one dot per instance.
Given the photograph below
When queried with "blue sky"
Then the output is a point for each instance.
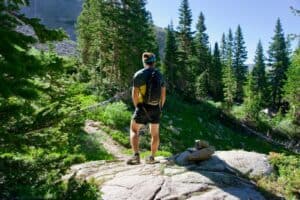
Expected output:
(256, 17)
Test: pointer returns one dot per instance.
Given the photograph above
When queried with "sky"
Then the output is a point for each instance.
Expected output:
(257, 18)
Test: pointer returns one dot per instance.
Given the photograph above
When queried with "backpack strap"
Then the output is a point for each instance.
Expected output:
(147, 114)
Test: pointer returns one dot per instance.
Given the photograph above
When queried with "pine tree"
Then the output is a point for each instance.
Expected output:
(185, 35)
(17, 64)
(228, 79)
(223, 48)
(31, 94)
(203, 56)
(84, 36)
(279, 61)
(201, 86)
(239, 58)
(257, 85)
(135, 34)
(259, 74)
(201, 43)
(185, 49)
(292, 87)
(118, 31)
(253, 101)
(170, 60)
(229, 83)
(229, 49)
(215, 74)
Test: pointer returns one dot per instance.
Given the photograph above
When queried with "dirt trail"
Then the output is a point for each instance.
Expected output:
(111, 146)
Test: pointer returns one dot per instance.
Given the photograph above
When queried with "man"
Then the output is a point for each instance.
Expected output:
(148, 96)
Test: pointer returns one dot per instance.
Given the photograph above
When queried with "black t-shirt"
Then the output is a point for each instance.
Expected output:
(140, 79)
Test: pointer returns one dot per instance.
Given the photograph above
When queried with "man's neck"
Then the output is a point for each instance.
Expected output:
(148, 66)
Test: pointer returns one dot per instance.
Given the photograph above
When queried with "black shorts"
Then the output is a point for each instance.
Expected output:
(145, 114)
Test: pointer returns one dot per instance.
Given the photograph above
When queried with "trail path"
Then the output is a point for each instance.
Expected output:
(111, 146)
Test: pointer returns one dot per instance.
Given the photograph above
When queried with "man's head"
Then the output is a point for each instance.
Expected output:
(148, 59)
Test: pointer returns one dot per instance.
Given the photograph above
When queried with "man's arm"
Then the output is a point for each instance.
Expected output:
(135, 96)
(163, 96)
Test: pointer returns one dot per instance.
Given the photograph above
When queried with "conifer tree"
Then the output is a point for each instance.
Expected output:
(203, 57)
(223, 50)
(201, 43)
(17, 65)
(84, 35)
(257, 85)
(185, 35)
(185, 48)
(215, 74)
(228, 79)
(259, 74)
(253, 100)
(292, 87)
(279, 61)
(239, 58)
(229, 83)
(119, 30)
(229, 49)
(201, 89)
(170, 60)
(30, 98)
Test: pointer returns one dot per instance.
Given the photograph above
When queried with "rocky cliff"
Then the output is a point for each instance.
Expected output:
(56, 13)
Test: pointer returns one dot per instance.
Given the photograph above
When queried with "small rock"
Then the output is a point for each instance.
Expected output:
(199, 144)
(202, 154)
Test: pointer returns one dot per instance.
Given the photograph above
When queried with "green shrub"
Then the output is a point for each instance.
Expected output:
(116, 115)
(80, 190)
(286, 178)
(121, 137)
(84, 100)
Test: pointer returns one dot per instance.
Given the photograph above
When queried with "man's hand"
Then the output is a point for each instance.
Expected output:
(163, 97)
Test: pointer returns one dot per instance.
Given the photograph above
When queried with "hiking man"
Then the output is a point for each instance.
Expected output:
(148, 96)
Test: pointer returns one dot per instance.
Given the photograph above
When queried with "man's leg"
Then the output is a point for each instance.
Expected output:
(154, 130)
(134, 136)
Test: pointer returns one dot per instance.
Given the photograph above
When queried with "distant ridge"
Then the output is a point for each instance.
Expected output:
(56, 13)
(64, 13)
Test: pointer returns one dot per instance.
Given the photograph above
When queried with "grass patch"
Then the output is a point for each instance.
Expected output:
(90, 147)
(115, 115)
(121, 137)
(182, 123)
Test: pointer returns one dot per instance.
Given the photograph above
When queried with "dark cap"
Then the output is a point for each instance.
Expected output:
(149, 57)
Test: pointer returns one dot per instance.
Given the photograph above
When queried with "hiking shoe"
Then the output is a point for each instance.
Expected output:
(134, 160)
(150, 160)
